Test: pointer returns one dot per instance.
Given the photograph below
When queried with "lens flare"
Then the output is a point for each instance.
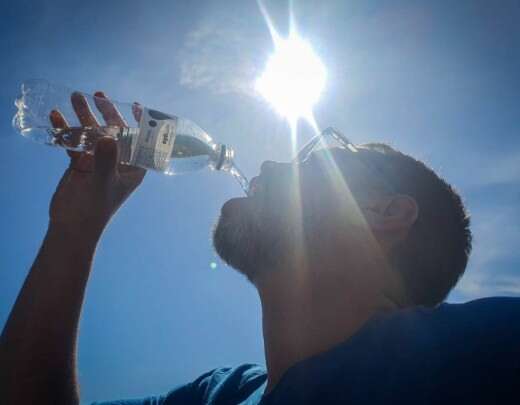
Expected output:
(294, 76)
(293, 79)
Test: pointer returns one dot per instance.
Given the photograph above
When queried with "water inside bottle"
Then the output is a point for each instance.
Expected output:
(83, 139)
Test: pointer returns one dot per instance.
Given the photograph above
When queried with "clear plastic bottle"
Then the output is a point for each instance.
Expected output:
(155, 140)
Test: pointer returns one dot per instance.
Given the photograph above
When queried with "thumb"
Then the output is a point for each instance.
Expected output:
(105, 159)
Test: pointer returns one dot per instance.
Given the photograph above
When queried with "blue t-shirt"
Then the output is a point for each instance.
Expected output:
(456, 353)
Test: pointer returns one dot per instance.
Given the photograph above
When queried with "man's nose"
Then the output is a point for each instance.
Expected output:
(275, 167)
(268, 166)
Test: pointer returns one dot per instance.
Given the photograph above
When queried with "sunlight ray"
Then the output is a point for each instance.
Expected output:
(292, 82)
(274, 34)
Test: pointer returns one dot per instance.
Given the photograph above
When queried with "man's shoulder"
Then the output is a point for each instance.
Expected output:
(220, 385)
(482, 310)
(491, 323)
(503, 303)
(242, 373)
(228, 382)
(426, 355)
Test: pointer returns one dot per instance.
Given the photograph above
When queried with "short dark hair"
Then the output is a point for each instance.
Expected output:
(434, 255)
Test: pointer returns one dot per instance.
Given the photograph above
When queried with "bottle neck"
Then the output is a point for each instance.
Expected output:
(223, 158)
(224, 161)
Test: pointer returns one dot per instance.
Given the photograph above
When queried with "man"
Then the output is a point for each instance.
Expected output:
(352, 252)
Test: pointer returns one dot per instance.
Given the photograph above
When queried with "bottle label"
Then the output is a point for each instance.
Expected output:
(153, 147)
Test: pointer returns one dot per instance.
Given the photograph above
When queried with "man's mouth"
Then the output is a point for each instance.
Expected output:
(256, 196)
(256, 187)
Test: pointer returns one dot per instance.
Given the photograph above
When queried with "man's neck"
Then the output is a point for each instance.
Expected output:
(304, 315)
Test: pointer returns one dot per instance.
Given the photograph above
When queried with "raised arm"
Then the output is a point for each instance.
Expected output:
(38, 343)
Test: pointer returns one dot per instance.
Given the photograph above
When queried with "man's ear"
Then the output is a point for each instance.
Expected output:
(393, 213)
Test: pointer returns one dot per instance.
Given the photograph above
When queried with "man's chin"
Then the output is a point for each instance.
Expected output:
(236, 207)
(238, 236)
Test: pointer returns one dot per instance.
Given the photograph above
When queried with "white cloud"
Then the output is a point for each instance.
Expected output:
(494, 170)
(221, 55)
(496, 235)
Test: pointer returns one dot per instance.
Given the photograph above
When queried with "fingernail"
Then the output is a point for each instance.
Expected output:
(100, 94)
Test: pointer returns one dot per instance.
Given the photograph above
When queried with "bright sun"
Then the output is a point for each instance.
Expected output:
(293, 79)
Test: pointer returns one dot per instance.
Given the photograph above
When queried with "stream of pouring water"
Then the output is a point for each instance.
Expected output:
(240, 178)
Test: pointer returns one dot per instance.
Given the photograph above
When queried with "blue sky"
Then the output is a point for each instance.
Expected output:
(438, 80)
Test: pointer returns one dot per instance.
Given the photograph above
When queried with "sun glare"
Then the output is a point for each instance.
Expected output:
(293, 79)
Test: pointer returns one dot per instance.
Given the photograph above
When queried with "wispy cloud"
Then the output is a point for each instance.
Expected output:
(221, 55)
(487, 284)
(495, 170)
(496, 237)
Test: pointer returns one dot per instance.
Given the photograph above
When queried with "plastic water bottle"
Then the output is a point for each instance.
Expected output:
(156, 141)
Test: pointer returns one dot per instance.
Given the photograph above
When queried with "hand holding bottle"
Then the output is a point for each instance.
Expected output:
(156, 141)
(95, 185)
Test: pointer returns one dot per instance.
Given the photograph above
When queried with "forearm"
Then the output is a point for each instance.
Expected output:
(38, 343)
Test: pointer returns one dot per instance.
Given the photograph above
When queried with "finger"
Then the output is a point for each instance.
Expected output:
(82, 109)
(58, 121)
(137, 110)
(108, 110)
(105, 159)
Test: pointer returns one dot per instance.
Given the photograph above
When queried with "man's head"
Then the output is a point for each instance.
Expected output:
(350, 208)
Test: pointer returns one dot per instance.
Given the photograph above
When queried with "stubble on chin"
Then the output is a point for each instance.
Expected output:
(232, 242)
(247, 244)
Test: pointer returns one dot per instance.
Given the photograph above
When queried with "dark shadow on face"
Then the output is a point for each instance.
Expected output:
(294, 206)
(249, 235)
